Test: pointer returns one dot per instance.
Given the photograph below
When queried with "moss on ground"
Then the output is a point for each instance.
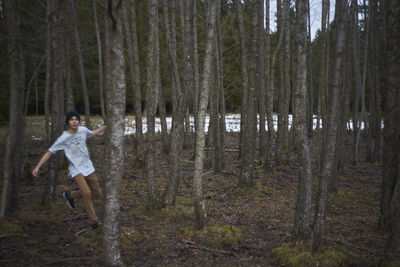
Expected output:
(216, 236)
(298, 253)
(11, 228)
(256, 192)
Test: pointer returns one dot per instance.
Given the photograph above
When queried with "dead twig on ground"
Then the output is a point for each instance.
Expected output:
(280, 242)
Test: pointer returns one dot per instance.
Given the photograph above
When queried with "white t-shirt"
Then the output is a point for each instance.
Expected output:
(75, 149)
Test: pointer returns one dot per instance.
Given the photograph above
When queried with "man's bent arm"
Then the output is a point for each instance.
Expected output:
(42, 161)
(97, 131)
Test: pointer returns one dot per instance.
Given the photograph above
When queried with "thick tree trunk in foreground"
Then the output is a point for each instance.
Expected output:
(14, 143)
(198, 198)
(57, 107)
(81, 65)
(390, 192)
(114, 150)
(151, 101)
(303, 203)
(331, 130)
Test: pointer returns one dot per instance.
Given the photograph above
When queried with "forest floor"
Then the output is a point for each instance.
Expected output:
(245, 227)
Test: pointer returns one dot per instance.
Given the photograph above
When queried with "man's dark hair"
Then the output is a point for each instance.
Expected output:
(71, 114)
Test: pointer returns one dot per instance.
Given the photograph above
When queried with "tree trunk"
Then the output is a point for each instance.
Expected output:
(114, 139)
(81, 65)
(244, 74)
(136, 81)
(99, 62)
(179, 112)
(69, 95)
(357, 75)
(391, 145)
(310, 92)
(196, 78)
(282, 144)
(48, 74)
(303, 203)
(15, 138)
(247, 163)
(151, 100)
(198, 198)
(57, 107)
(261, 79)
(331, 129)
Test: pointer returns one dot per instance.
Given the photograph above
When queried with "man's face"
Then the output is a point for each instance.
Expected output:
(73, 123)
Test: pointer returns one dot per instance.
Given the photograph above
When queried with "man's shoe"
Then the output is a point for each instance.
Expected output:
(94, 225)
(70, 201)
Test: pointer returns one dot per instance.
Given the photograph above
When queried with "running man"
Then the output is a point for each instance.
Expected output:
(81, 169)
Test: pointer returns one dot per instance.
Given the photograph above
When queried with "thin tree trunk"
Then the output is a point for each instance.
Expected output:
(99, 62)
(196, 78)
(331, 129)
(151, 100)
(69, 96)
(81, 65)
(57, 107)
(114, 149)
(247, 163)
(261, 80)
(303, 203)
(15, 137)
(310, 91)
(179, 112)
(282, 144)
(357, 74)
(198, 198)
(136, 81)
(48, 73)
(244, 74)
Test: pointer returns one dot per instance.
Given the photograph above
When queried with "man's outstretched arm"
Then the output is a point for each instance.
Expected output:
(97, 131)
(42, 161)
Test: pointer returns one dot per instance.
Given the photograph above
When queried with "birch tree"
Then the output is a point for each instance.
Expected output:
(198, 197)
(114, 138)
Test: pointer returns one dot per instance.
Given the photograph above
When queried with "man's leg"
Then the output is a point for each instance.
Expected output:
(86, 196)
(94, 185)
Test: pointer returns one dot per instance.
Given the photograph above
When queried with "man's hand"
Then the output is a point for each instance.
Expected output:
(99, 130)
(35, 172)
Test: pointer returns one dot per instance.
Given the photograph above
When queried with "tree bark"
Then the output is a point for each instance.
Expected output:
(114, 139)
(57, 107)
(48, 73)
(244, 74)
(81, 65)
(198, 198)
(261, 80)
(391, 145)
(303, 203)
(247, 163)
(151, 100)
(282, 144)
(69, 96)
(331, 130)
(99, 62)
(15, 138)
(182, 101)
(136, 81)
